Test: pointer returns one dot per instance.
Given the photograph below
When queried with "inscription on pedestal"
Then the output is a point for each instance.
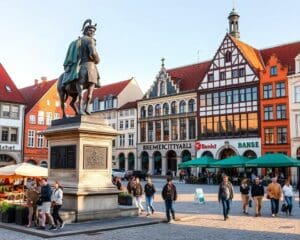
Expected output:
(63, 157)
(94, 157)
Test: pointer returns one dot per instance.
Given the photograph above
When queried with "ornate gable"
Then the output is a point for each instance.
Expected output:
(163, 85)
(232, 64)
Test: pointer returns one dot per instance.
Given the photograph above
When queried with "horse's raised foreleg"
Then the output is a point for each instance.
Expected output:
(89, 98)
(79, 89)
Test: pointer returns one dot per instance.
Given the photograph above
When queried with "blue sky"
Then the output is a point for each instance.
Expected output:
(133, 35)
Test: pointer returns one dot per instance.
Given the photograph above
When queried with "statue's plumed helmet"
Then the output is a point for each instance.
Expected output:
(87, 25)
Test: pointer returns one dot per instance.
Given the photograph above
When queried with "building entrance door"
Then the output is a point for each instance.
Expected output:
(172, 162)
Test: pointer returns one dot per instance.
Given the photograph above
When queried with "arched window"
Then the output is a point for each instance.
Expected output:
(228, 56)
(143, 112)
(166, 109)
(150, 111)
(191, 105)
(173, 108)
(157, 109)
(162, 89)
(182, 106)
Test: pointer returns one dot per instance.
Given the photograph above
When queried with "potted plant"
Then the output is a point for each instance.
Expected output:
(125, 198)
(21, 215)
(7, 212)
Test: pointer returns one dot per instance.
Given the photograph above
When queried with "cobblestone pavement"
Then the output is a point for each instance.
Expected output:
(199, 221)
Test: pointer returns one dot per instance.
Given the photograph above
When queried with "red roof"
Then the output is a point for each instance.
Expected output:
(129, 105)
(8, 90)
(189, 77)
(113, 89)
(286, 54)
(34, 93)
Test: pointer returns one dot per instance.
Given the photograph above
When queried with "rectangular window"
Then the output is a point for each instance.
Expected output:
(157, 131)
(281, 111)
(297, 94)
(216, 126)
(237, 122)
(209, 126)
(269, 136)
(182, 128)
(202, 100)
(244, 124)
(121, 113)
(143, 132)
(192, 128)
(5, 110)
(121, 124)
(242, 72)
(48, 118)
(254, 93)
(4, 134)
(242, 95)
(131, 123)
(31, 136)
(248, 94)
(40, 140)
(122, 140)
(268, 113)
(268, 91)
(208, 99)
(203, 127)
(280, 89)
(235, 73)
(130, 139)
(14, 112)
(273, 71)
(222, 75)
(235, 96)
(126, 124)
(252, 124)
(230, 128)
(40, 117)
(222, 98)
(13, 134)
(216, 98)
(229, 96)
(210, 77)
(150, 131)
(174, 130)
(222, 127)
(131, 112)
(166, 130)
(282, 135)
(32, 119)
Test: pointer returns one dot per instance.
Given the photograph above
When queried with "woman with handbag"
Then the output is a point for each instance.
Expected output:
(288, 196)
(56, 199)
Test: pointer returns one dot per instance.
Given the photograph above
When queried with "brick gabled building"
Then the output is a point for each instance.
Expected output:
(43, 105)
(12, 108)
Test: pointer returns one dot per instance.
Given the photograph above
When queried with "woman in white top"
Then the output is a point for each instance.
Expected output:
(288, 196)
(56, 199)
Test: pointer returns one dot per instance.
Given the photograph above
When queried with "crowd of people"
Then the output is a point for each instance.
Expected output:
(44, 204)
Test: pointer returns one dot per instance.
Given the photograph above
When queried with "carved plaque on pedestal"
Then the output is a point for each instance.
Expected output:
(63, 157)
(94, 157)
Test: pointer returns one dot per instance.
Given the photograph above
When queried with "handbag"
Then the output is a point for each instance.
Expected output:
(39, 202)
(250, 203)
(284, 207)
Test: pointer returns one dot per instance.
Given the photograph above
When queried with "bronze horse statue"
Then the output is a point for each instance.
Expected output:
(80, 71)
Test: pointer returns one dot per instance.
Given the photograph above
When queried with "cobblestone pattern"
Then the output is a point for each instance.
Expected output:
(199, 221)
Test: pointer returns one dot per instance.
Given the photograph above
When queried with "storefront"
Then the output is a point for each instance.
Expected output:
(158, 159)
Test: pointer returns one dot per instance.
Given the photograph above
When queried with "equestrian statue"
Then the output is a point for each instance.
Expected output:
(80, 71)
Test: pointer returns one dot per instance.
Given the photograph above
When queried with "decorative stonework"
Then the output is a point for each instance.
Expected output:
(94, 157)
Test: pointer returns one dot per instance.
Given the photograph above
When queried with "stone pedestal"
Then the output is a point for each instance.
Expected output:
(80, 158)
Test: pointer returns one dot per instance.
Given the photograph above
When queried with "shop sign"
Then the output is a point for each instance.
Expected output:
(248, 145)
(200, 146)
(171, 146)
(6, 148)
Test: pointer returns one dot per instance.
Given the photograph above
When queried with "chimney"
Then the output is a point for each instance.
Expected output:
(44, 80)
(36, 82)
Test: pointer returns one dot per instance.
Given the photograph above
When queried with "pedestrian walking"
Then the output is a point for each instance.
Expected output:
(225, 195)
(257, 193)
(130, 184)
(32, 196)
(149, 190)
(137, 192)
(244, 189)
(288, 196)
(57, 201)
(46, 193)
(274, 194)
(169, 195)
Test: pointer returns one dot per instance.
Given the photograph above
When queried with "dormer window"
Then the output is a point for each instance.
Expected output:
(8, 89)
(108, 102)
(273, 71)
